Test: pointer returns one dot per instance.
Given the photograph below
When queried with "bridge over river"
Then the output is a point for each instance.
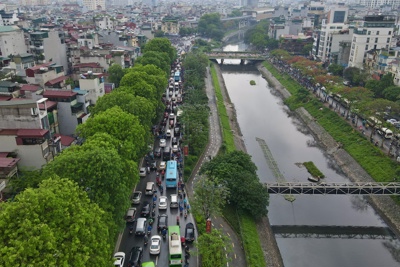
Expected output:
(254, 56)
(291, 188)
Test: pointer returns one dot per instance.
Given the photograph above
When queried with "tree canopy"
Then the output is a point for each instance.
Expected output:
(211, 247)
(210, 26)
(115, 74)
(162, 45)
(53, 225)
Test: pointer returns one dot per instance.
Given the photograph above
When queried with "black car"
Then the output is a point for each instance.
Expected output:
(145, 209)
(162, 222)
(189, 232)
(135, 259)
(157, 152)
(174, 141)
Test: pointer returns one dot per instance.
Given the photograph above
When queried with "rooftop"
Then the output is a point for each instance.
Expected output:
(8, 28)
(59, 93)
(56, 80)
(8, 162)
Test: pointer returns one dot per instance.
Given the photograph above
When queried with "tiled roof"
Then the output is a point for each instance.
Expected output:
(5, 98)
(8, 162)
(58, 93)
(30, 87)
(32, 132)
(49, 104)
(56, 80)
(65, 139)
(87, 65)
(37, 67)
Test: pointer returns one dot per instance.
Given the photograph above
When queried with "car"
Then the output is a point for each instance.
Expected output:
(136, 197)
(174, 141)
(153, 165)
(135, 258)
(175, 148)
(155, 245)
(162, 165)
(145, 209)
(163, 142)
(157, 152)
(171, 122)
(162, 222)
(130, 215)
(171, 116)
(162, 203)
(392, 121)
(168, 133)
(170, 93)
(189, 232)
(142, 172)
(119, 259)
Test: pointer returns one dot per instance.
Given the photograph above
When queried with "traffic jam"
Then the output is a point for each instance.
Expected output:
(159, 230)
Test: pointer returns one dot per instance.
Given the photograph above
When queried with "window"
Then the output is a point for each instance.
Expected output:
(376, 40)
(388, 40)
(377, 33)
(368, 40)
(332, 27)
(390, 32)
(339, 27)
(369, 32)
(338, 16)
(366, 48)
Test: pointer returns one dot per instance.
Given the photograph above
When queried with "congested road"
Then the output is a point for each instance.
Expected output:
(130, 240)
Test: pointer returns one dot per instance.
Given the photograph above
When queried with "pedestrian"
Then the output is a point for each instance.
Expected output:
(182, 186)
(184, 202)
(179, 184)
(180, 209)
(188, 207)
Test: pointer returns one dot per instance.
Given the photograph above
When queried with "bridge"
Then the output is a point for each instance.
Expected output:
(333, 188)
(254, 56)
(238, 18)
(348, 232)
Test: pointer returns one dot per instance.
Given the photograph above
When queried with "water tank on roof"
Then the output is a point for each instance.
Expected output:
(90, 72)
(43, 69)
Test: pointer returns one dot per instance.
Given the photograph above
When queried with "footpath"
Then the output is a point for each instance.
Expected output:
(237, 255)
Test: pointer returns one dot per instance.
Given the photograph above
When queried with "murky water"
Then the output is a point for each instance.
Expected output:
(262, 114)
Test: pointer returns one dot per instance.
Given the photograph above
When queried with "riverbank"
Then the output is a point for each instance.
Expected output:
(267, 238)
(383, 205)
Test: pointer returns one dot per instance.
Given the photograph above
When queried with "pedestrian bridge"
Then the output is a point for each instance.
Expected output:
(291, 188)
(344, 232)
(236, 55)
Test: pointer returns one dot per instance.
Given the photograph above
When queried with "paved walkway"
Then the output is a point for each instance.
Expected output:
(237, 255)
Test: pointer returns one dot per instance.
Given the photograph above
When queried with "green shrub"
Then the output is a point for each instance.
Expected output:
(252, 82)
(313, 170)
(251, 242)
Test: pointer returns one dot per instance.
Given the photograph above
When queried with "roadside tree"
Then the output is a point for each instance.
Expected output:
(392, 93)
(211, 247)
(138, 85)
(115, 74)
(162, 45)
(54, 225)
(210, 26)
(336, 69)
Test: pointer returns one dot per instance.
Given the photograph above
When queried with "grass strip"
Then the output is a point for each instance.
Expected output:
(246, 225)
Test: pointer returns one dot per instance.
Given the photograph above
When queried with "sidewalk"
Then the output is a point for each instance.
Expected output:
(237, 255)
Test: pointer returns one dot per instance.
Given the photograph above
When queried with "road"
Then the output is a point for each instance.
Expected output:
(128, 241)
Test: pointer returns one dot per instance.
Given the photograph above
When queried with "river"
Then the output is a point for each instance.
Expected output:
(261, 113)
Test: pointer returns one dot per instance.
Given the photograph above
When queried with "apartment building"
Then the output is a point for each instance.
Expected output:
(394, 4)
(375, 33)
(12, 41)
(94, 4)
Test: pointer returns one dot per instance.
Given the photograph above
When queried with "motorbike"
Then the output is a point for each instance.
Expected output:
(146, 240)
(131, 230)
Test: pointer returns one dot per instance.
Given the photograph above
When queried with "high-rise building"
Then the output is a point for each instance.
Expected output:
(377, 3)
(94, 4)
(375, 33)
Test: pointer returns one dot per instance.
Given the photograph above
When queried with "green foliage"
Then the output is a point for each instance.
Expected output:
(122, 126)
(258, 36)
(235, 13)
(185, 31)
(252, 82)
(209, 197)
(336, 69)
(162, 45)
(355, 75)
(227, 137)
(391, 93)
(213, 248)
(313, 170)
(53, 225)
(139, 85)
(115, 74)
(307, 49)
(195, 70)
(97, 167)
(159, 33)
(378, 87)
(251, 242)
(210, 26)
(236, 169)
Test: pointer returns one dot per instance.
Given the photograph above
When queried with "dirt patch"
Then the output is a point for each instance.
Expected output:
(267, 238)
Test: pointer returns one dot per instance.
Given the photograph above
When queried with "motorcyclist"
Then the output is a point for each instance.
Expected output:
(145, 240)
(164, 232)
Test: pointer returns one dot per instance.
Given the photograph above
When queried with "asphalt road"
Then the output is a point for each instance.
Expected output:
(128, 241)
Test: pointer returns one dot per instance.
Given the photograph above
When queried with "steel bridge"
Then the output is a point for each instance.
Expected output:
(345, 232)
(333, 188)
(238, 18)
(236, 55)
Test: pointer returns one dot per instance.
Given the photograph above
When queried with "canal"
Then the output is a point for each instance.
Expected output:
(261, 114)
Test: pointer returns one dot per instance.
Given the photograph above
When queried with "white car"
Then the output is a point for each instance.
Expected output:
(163, 203)
(175, 148)
(162, 165)
(155, 245)
(136, 197)
(392, 121)
(163, 142)
(119, 259)
(142, 172)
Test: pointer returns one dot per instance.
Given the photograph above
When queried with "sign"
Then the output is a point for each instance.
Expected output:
(208, 226)
(186, 150)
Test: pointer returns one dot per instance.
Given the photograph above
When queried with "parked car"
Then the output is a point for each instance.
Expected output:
(163, 142)
(145, 209)
(155, 245)
(189, 232)
(119, 259)
(163, 203)
(135, 258)
(142, 172)
(130, 215)
(136, 197)
(162, 222)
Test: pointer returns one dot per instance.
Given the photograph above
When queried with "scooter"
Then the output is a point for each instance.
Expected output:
(130, 230)
(145, 240)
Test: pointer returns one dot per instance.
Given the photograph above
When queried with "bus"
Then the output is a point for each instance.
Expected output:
(148, 264)
(174, 245)
(171, 174)
(177, 76)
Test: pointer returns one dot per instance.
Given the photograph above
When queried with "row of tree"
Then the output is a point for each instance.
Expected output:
(73, 221)
(258, 37)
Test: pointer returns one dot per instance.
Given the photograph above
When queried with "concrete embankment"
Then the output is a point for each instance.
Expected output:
(384, 205)
(267, 238)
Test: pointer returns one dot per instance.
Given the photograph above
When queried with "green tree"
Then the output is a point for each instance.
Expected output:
(139, 106)
(210, 26)
(115, 74)
(153, 59)
(392, 93)
(375, 87)
(335, 69)
(99, 169)
(211, 247)
(307, 49)
(209, 197)
(159, 33)
(53, 225)
(138, 84)
(161, 45)
(235, 13)
(122, 126)
(355, 75)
